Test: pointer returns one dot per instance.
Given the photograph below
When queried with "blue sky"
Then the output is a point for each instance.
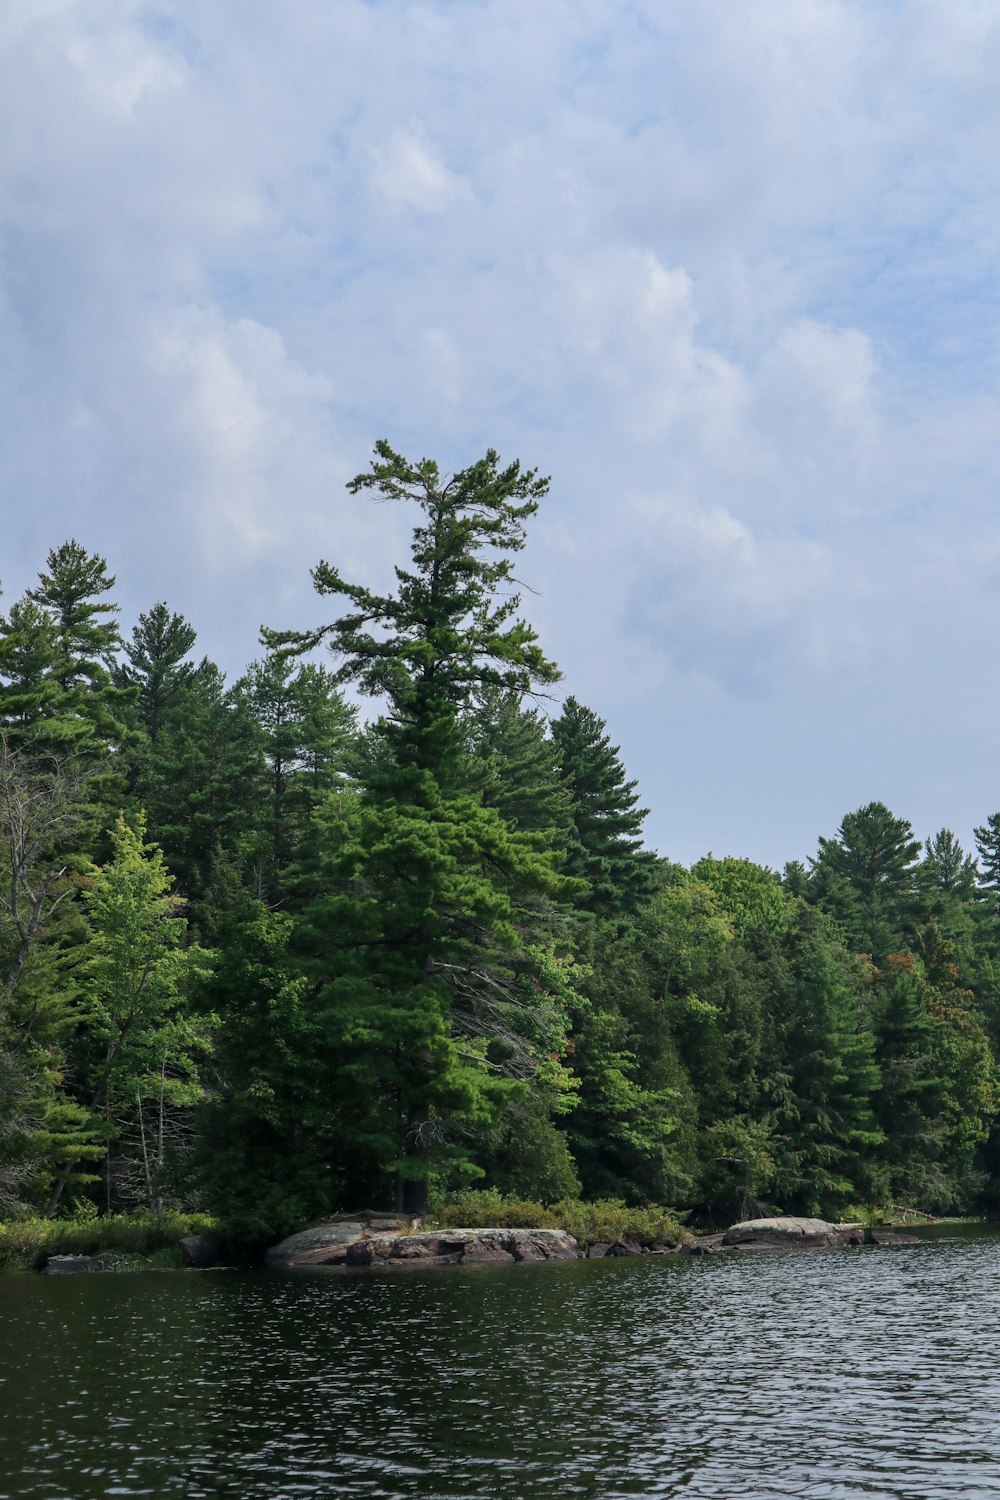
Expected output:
(727, 272)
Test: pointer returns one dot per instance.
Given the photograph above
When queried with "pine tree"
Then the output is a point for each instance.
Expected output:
(434, 997)
(865, 878)
(606, 850)
(156, 665)
(828, 1138)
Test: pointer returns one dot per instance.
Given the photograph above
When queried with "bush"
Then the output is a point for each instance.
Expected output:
(609, 1220)
(603, 1222)
(26, 1244)
(490, 1209)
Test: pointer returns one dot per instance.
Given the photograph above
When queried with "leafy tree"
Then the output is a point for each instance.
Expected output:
(750, 895)
(606, 850)
(131, 975)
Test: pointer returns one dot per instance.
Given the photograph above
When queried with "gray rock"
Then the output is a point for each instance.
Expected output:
(198, 1251)
(325, 1245)
(885, 1237)
(784, 1234)
(705, 1244)
(438, 1247)
(72, 1265)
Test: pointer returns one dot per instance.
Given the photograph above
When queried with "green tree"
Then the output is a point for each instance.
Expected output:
(156, 665)
(606, 850)
(308, 736)
(865, 878)
(132, 975)
(435, 998)
(269, 1157)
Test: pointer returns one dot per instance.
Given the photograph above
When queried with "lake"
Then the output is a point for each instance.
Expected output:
(829, 1374)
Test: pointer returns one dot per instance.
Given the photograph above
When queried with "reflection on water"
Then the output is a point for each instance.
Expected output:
(853, 1373)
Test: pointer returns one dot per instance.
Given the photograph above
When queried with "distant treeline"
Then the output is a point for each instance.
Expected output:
(263, 958)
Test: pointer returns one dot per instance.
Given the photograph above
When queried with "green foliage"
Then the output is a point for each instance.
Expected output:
(607, 1221)
(26, 1244)
(750, 895)
(436, 951)
(865, 878)
(606, 849)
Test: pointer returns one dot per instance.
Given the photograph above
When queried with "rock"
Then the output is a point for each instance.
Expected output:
(596, 1252)
(885, 1237)
(625, 1247)
(348, 1244)
(784, 1234)
(199, 1252)
(324, 1245)
(72, 1265)
(706, 1244)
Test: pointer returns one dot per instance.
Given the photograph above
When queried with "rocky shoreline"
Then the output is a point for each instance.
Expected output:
(361, 1243)
(371, 1241)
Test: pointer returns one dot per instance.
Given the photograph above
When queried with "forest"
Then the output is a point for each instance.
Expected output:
(376, 922)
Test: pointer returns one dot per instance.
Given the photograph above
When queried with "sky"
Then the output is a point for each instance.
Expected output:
(727, 272)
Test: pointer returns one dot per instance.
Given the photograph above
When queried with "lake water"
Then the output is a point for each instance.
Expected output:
(848, 1373)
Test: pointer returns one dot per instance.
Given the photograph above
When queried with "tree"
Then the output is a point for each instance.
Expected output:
(131, 975)
(865, 878)
(606, 849)
(157, 666)
(308, 734)
(433, 994)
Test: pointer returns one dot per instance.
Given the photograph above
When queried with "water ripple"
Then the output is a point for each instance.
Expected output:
(834, 1376)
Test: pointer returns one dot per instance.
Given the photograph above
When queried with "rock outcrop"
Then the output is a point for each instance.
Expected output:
(351, 1243)
(789, 1234)
(73, 1265)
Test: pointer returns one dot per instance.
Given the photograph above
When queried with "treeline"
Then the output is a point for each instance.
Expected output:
(267, 957)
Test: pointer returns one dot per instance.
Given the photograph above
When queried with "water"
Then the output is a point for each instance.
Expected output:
(853, 1373)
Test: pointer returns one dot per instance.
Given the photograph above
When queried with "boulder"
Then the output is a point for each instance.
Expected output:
(198, 1252)
(784, 1234)
(886, 1237)
(72, 1265)
(350, 1245)
(324, 1245)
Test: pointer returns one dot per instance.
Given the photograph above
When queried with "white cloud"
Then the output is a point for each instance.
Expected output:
(407, 175)
(728, 273)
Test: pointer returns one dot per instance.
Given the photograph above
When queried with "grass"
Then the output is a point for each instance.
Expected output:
(138, 1241)
(605, 1221)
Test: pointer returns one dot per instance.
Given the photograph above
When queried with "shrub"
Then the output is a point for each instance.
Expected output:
(604, 1222)
(26, 1244)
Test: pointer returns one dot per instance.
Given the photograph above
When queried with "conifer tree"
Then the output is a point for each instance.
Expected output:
(606, 850)
(157, 665)
(865, 878)
(433, 995)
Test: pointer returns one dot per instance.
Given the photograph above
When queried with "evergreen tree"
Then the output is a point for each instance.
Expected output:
(865, 879)
(434, 997)
(308, 734)
(828, 1141)
(514, 767)
(156, 666)
(268, 1155)
(202, 791)
(606, 850)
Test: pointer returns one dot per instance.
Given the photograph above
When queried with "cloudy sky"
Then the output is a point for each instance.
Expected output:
(728, 271)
